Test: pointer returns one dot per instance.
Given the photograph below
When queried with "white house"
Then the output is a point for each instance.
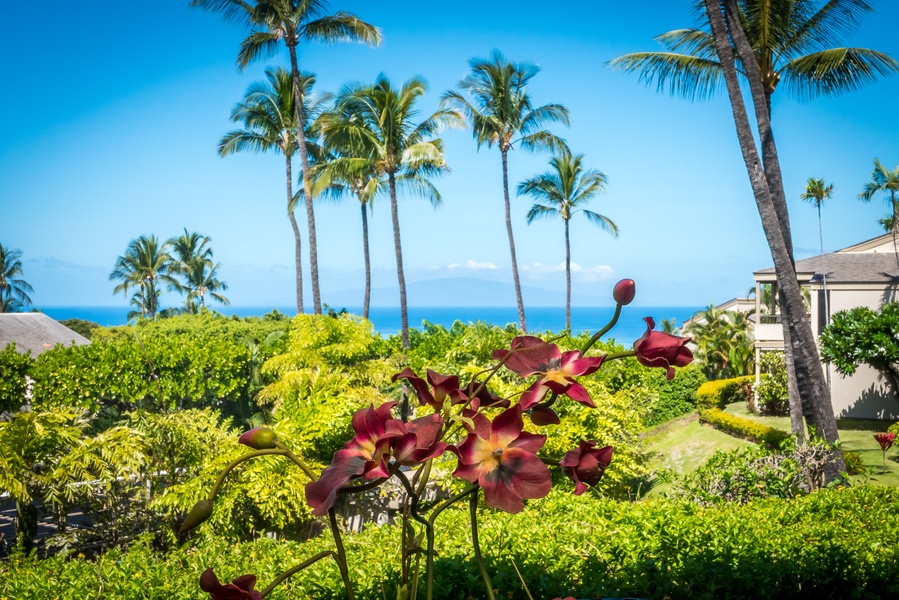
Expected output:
(866, 274)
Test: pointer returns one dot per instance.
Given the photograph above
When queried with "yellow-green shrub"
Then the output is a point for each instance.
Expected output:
(721, 392)
(741, 427)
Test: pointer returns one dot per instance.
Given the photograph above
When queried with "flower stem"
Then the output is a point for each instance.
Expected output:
(473, 509)
(305, 468)
(221, 478)
(341, 554)
(603, 331)
(429, 564)
(285, 574)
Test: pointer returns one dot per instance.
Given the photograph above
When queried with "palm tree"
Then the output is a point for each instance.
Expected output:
(290, 22)
(723, 342)
(566, 188)
(887, 181)
(269, 118)
(145, 265)
(400, 149)
(817, 193)
(791, 41)
(501, 112)
(192, 257)
(13, 290)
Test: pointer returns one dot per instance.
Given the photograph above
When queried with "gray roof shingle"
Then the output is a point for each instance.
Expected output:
(36, 332)
(850, 267)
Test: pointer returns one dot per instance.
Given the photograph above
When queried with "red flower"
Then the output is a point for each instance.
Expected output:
(658, 349)
(624, 291)
(532, 356)
(417, 440)
(239, 589)
(366, 455)
(586, 465)
(443, 385)
(885, 440)
(501, 458)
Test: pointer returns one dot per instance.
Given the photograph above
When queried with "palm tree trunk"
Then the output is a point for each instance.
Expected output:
(298, 246)
(521, 319)
(401, 277)
(307, 185)
(367, 298)
(809, 375)
(567, 279)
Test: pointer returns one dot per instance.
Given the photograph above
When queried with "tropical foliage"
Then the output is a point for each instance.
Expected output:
(13, 289)
(143, 269)
(724, 342)
(495, 100)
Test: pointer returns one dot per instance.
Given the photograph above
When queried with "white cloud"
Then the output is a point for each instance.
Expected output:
(473, 265)
(588, 274)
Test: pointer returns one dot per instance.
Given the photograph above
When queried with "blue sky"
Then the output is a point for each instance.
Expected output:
(114, 112)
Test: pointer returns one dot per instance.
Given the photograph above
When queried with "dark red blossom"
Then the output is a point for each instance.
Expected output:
(416, 441)
(532, 356)
(502, 459)
(885, 440)
(624, 291)
(658, 349)
(586, 465)
(239, 589)
(443, 386)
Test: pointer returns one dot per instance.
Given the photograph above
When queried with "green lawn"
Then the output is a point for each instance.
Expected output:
(856, 436)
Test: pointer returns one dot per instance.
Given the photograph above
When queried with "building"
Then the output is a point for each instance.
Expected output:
(865, 274)
(36, 332)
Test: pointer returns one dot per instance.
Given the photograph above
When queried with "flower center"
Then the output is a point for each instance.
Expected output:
(556, 375)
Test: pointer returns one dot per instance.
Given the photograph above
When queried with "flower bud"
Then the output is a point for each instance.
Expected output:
(260, 438)
(201, 511)
(624, 291)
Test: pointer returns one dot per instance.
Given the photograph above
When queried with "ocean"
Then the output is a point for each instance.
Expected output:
(386, 319)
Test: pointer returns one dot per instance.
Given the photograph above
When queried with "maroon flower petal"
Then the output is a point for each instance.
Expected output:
(239, 589)
(529, 441)
(575, 365)
(543, 415)
(658, 349)
(533, 395)
(586, 465)
(322, 493)
(417, 383)
(531, 355)
(519, 475)
(578, 393)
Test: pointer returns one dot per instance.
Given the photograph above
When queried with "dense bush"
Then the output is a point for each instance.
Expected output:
(721, 392)
(834, 544)
(81, 327)
(773, 397)
(745, 428)
(676, 396)
(14, 368)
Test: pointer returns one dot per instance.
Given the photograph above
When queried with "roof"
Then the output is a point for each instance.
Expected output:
(36, 332)
(873, 261)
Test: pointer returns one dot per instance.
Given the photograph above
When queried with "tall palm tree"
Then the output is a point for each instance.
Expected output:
(816, 193)
(13, 289)
(886, 181)
(500, 112)
(272, 23)
(566, 188)
(400, 149)
(269, 118)
(144, 267)
(789, 40)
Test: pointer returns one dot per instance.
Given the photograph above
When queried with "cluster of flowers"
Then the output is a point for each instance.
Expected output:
(495, 455)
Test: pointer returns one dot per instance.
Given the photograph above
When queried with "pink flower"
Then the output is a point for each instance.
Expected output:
(443, 385)
(239, 589)
(885, 440)
(532, 356)
(417, 440)
(624, 291)
(658, 349)
(586, 465)
(501, 458)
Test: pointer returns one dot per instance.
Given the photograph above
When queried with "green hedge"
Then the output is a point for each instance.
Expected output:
(13, 369)
(721, 392)
(741, 427)
(828, 545)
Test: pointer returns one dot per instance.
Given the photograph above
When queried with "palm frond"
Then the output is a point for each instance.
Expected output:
(259, 45)
(683, 75)
(835, 71)
(604, 222)
(538, 211)
(341, 27)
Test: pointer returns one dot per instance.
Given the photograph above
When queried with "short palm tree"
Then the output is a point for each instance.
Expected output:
(13, 289)
(565, 189)
(400, 148)
(145, 266)
(886, 181)
(269, 118)
(495, 99)
(192, 258)
(816, 193)
(290, 22)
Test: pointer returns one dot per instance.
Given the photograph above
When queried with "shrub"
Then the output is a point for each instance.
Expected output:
(894, 428)
(745, 428)
(854, 463)
(828, 545)
(14, 368)
(721, 392)
(773, 398)
(676, 396)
